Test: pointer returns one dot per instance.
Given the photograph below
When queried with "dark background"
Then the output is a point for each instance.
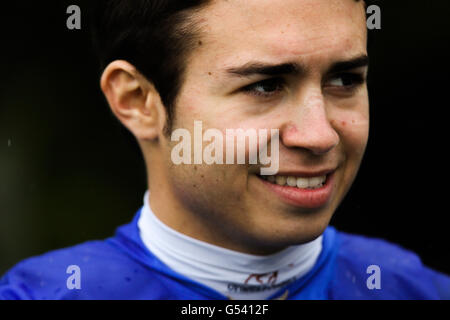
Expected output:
(70, 173)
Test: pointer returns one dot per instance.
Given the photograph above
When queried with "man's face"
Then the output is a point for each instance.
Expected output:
(318, 104)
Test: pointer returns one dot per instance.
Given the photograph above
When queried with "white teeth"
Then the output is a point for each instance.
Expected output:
(280, 180)
(302, 182)
(314, 181)
(292, 181)
(299, 182)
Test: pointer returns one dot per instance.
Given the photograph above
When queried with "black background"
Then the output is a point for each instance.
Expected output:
(70, 173)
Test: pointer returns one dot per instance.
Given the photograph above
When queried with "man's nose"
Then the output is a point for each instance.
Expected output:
(309, 127)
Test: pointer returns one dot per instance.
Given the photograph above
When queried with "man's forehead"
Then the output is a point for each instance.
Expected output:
(273, 30)
(256, 15)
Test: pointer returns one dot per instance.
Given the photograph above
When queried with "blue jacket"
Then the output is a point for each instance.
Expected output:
(121, 267)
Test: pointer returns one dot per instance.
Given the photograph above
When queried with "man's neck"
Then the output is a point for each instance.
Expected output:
(234, 274)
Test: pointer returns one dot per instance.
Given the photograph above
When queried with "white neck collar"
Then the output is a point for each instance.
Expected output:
(234, 274)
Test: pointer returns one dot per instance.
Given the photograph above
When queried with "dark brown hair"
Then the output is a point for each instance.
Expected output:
(153, 35)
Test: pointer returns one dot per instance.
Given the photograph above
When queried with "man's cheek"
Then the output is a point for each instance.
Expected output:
(353, 129)
(211, 180)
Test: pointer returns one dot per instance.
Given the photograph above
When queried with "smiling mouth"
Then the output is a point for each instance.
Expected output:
(297, 182)
(307, 190)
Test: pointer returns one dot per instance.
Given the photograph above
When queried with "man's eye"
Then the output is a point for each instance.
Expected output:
(346, 80)
(265, 88)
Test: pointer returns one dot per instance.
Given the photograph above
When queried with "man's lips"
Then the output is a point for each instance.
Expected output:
(306, 174)
(311, 198)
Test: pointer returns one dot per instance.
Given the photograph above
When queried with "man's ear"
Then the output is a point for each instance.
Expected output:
(133, 100)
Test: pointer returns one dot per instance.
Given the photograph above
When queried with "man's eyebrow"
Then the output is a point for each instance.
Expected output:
(293, 68)
(358, 62)
(259, 68)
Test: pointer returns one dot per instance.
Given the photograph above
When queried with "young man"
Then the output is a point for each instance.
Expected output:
(224, 230)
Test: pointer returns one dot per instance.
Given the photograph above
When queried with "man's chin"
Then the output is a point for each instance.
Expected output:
(280, 228)
(273, 242)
